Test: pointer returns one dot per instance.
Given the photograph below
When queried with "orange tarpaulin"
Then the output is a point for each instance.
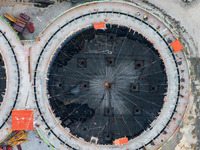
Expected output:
(121, 141)
(176, 45)
(101, 25)
(22, 120)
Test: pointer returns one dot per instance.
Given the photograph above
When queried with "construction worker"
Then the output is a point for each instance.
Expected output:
(145, 18)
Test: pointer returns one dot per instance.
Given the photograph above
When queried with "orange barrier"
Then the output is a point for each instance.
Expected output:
(121, 141)
(101, 25)
(176, 45)
(22, 120)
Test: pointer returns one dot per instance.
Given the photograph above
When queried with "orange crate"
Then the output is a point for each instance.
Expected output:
(176, 45)
(101, 25)
(22, 120)
(121, 141)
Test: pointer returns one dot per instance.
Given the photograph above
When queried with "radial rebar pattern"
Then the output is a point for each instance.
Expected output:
(102, 85)
(107, 84)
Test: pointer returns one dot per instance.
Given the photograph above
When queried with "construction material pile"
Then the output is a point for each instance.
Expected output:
(20, 23)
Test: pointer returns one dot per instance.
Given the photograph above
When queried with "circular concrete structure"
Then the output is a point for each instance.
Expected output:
(66, 26)
(107, 83)
(10, 46)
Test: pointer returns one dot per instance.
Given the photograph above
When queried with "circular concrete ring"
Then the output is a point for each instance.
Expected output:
(125, 14)
(8, 48)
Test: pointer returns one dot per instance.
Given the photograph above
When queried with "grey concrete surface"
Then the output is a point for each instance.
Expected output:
(39, 16)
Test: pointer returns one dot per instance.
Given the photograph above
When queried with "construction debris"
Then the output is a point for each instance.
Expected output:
(19, 24)
(19, 138)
